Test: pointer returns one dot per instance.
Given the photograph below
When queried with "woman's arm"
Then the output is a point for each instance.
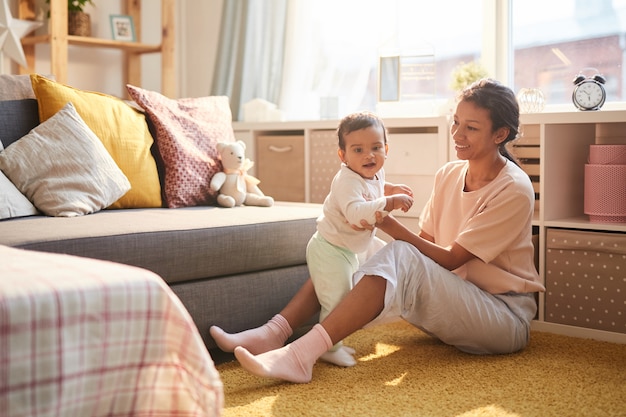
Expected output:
(450, 257)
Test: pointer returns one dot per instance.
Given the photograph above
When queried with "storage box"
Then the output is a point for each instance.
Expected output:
(605, 184)
(586, 279)
(280, 166)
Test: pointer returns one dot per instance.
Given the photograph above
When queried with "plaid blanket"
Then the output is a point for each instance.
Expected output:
(81, 337)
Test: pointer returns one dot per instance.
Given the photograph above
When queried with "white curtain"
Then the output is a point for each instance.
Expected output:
(331, 51)
(250, 56)
(293, 53)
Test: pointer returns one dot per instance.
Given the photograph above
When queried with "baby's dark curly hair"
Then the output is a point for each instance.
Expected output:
(357, 121)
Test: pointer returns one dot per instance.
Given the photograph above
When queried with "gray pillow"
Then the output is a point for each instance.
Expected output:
(63, 168)
(17, 118)
(15, 87)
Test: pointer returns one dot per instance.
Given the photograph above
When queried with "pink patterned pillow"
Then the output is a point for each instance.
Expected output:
(187, 131)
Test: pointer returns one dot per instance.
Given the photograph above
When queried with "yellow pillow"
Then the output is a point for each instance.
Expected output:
(122, 130)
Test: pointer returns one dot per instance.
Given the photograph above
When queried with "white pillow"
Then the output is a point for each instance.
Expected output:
(12, 202)
(63, 168)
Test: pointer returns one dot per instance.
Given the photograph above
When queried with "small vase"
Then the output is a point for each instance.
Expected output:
(78, 24)
(531, 100)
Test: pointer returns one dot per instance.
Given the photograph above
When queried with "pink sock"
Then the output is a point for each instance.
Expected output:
(293, 362)
(272, 335)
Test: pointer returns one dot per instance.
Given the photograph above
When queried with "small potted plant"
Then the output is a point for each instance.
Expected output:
(466, 73)
(78, 22)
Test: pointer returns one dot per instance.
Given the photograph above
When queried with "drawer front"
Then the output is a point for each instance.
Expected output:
(412, 154)
(325, 163)
(280, 167)
(413, 161)
(586, 279)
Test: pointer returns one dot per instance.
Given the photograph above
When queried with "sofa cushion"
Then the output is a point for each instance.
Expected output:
(122, 130)
(180, 245)
(63, 168)
(12, 202)
(15, 87)
(187, 131)
(17, 118)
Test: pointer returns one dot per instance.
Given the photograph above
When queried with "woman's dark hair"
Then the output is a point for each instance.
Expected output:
(500, 100)
(358, 121)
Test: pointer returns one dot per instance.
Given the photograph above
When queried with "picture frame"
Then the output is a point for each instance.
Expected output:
(389, 78)
(122, 28)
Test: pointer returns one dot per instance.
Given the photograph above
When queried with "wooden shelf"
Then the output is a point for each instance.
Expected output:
(132, 47)
(59, 41)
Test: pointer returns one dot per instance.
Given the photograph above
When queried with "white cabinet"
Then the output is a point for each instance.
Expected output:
(417, 148)
(554, 149)
(413, 160)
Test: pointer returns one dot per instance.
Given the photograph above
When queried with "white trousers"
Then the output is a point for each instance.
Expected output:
(447, 307)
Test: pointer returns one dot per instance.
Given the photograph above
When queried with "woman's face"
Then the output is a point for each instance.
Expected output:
(365, 151)
(472, 132)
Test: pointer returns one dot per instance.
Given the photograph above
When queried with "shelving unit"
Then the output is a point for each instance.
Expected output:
(59, 41)
(563, 143)
(554, 148)
(417, 148)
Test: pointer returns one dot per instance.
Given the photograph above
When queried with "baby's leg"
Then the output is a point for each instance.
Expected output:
(340, 355)
(272, 335)
(331, 269)
(293, 362)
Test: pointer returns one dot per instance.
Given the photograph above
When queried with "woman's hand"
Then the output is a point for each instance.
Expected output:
(380, 218)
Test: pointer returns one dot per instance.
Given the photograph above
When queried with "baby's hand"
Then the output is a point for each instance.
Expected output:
(401, 189)
(402, 202)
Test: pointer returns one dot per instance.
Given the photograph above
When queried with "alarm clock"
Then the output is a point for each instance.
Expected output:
(589, 93)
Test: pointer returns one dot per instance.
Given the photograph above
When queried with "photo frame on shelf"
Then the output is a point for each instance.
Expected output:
(122, 28)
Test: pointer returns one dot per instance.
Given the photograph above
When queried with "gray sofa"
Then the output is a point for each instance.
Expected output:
(231, 267)
(234, 267)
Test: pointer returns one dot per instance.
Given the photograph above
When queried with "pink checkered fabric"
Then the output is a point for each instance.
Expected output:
(80, 337)
(187, 131)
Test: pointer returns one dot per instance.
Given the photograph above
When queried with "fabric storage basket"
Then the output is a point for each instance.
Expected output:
(280, 166)
(586, 279)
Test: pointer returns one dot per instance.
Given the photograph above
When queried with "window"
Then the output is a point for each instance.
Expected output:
(334, 50)
(554, 40)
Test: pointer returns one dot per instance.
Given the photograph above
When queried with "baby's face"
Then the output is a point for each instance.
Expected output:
(365, 151)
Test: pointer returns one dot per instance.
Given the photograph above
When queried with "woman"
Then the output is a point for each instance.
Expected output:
(467, 278)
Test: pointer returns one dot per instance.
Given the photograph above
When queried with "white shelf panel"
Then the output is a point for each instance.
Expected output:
(583, 223)
(581, 332)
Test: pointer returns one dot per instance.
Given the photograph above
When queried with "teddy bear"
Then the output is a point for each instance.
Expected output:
(233, 184)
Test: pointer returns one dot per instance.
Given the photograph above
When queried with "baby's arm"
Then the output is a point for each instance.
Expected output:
(399, 197)
(391, 189)
(355, 208)
(399, 202)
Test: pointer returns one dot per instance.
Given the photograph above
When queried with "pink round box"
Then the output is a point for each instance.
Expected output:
(605, 184)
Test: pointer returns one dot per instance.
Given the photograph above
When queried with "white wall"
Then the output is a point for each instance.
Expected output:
(100, 69)
(197, 44)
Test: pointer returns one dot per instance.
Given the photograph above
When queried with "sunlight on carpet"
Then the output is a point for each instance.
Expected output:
(488, 411)
(403, 372)
(382, 349)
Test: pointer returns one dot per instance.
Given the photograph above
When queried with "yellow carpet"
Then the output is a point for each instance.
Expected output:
(403, 372)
